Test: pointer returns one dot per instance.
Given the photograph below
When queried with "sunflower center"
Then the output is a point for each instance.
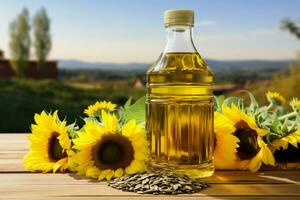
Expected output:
(288, 155)
(55, 151)
(248, 145)
(113, 152)
(110, 152)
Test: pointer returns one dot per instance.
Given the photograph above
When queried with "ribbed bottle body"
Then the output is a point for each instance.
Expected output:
(180, 115)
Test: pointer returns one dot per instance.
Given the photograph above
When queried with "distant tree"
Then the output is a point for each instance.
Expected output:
(19, 43)
(292, 27)
(42, 39)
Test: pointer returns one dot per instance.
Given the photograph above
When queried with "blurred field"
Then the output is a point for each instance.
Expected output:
(286, 83)
(20, 99)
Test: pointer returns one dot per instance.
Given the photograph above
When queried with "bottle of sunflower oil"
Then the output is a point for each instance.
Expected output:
(179, 103)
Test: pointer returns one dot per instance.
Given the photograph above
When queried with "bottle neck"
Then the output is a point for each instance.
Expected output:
(180, 39)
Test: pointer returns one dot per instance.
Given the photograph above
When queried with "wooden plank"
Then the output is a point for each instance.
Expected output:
(13, 142)
(283, 176)
(16, 183)
(12, 137)
(11, 165)
(151, 197)
(12, 151)
(146, 197)
(69, 186)
(72, 185)
(9, 154)
(95, 189)
(233, 177)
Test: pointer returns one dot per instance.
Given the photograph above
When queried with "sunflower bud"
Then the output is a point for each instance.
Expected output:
(96, 108)
(295, 104)
(275, 98)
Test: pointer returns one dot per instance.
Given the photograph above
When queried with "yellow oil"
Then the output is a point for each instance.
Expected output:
(180, 115)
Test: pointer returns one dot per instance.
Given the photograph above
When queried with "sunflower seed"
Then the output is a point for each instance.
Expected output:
(138, 186)
(144, 182)
(157, 183)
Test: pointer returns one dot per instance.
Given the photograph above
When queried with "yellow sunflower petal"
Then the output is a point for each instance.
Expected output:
(292, 140)
(242, 164)
(118, 173)
(91, 137)
(225, 142)
(93, 172)
(64, 166)
(108, 174)
(110, 122)
(47, 128)
(223, 124)
(59, 163)
(98, 106)
(233, 116)
(140, 156)
(129, 127)
(255, 163)
(268, 157)
(275, 98)
(225, 128)
(135, 166)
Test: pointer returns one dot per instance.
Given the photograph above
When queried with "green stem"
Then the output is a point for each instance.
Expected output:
(289, 115)
(270, 106)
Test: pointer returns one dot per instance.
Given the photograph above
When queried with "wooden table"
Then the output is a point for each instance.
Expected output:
(18, 183)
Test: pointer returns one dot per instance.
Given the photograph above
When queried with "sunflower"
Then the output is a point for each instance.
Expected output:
(275, 98)
(106, 150)
(286, 150)
(225, 142)
(97, 107)
(50, 145)
(252, 150)
(293, 139)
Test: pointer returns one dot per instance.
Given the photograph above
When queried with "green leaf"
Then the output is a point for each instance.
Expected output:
(285, 128)
(293, 127)
(297, 120)
(217, 106)
(136, 111)
(72, 128)
(128, 103)
(279, 111)
(275, 127)
(234, 100)
(221, 99)
(271, 137)
(218, 101)
(253, 103)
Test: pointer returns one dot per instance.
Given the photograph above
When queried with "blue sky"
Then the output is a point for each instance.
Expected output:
(132, 30)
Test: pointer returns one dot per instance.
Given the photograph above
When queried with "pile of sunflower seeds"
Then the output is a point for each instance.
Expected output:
(157, 183)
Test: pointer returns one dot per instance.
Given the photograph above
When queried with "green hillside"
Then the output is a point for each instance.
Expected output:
(20, 99)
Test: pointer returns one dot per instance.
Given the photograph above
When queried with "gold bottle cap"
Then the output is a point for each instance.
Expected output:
(179, 17)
